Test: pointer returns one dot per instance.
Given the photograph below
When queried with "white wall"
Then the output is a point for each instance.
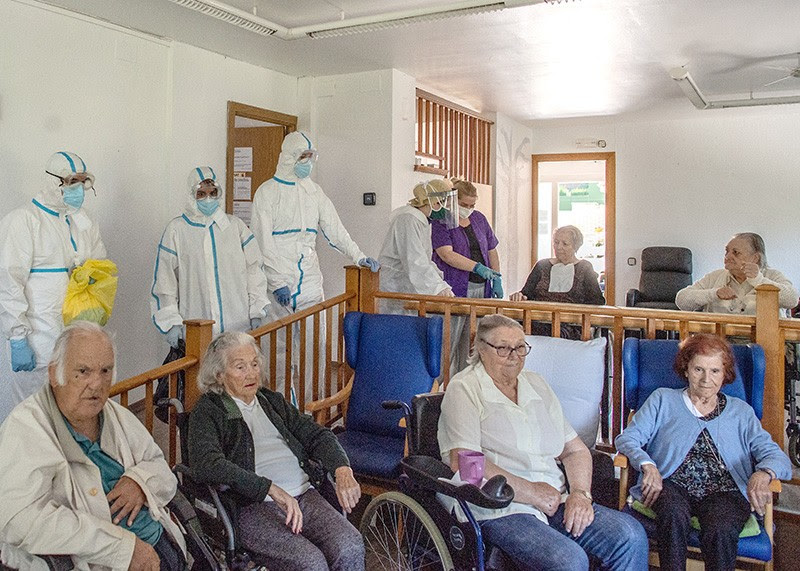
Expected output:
(363, 127)
(695, 179)
(140, 111)
(512, 206)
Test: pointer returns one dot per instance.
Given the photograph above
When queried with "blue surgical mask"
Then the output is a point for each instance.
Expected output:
(208, 206)
(302, 170)
(73, 195)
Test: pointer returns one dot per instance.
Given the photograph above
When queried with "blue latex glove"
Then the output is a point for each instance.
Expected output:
(22, 357)
(484, 272)
(497, 287)
(283, 295)
(174, 335)
(371, 263)
(255, 322)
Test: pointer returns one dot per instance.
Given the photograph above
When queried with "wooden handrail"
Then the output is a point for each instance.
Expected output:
(137, 381)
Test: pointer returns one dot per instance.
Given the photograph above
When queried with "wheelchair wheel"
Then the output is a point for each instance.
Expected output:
(794, 449)
(401, 536)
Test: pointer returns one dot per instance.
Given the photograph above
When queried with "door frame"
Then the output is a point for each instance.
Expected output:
(236, 109)
(611, 213)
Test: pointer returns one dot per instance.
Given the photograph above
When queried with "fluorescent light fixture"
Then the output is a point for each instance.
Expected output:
(222, 11)
(689, 87)
(338, 29)
(247, 21)
(692, 91)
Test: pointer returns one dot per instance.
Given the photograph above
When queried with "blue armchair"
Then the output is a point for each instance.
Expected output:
(394, 358)
(647, 365)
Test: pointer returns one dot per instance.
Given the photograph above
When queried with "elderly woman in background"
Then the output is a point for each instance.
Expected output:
(514, 418)
(701, 453)
(563, 279)
(467, 255)
(81, 476)
(732, 289)
(272, 458)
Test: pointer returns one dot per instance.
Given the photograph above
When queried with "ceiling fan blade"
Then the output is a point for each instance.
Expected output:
(777, 81)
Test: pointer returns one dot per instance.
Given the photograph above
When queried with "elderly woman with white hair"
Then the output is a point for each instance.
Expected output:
(274, 460)
(732, 289)
(562, 279)
(514, 418)
(81, 476)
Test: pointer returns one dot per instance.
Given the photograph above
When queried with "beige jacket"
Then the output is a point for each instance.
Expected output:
(52, 494)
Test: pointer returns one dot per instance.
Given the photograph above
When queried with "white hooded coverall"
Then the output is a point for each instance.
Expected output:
(288, 212)
(40, 244)
(208, 267)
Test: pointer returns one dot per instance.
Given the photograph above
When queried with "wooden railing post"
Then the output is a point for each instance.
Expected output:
(198, 335)
(369, 283)
(768, 336)
(352, 283)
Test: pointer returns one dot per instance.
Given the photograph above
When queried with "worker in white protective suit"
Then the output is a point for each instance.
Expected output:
(288, 211)
(406, 255)
(40, 244)
(208, 266)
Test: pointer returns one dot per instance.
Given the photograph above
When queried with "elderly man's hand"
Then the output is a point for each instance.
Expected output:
(758, 491)
(348, 492)
(144, 557)
(578, 513)
(126, 499)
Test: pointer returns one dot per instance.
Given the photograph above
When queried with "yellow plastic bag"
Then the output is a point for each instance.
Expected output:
(91, 291)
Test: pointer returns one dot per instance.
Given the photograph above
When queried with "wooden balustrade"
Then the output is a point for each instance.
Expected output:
(363, 293)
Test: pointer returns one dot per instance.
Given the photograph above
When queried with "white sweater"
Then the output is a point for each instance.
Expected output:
(702, 294)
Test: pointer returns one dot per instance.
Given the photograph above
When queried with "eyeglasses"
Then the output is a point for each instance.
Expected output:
(503, 351)
(79, 178)
(307, 157)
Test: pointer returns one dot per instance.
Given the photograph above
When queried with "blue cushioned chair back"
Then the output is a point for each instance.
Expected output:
(394, 358)
(647, 365)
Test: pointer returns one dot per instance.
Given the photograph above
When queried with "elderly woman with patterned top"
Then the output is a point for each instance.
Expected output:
(563, 279)
(514, 418)
(701, 453)
(732, 289)
(273, 459)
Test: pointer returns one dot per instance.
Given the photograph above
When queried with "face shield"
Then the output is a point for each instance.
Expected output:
(444, 207)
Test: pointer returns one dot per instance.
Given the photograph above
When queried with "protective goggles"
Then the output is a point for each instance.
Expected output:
(309, 156)
(84, 178)
(206, 188)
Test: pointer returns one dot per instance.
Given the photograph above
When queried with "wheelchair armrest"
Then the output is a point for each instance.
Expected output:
(426, 472)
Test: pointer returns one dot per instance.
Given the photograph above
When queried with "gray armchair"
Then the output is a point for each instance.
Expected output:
(665, 271)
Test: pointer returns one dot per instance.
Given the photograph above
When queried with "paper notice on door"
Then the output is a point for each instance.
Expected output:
(243, 210)
(243, 159)
(242, 186)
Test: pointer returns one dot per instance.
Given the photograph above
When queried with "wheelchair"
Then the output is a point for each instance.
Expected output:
(217, 512)
(410, 529)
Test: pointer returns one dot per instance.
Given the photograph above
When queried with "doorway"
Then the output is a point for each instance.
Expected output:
(255, 136)
(577, 189)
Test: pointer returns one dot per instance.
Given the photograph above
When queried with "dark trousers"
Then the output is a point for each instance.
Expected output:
(169, 553)
(722, 517)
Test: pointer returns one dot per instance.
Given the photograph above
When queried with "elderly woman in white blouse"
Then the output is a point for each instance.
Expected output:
(732, 289)
(514, 418)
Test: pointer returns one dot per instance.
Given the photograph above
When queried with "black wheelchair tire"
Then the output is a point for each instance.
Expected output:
(794, 449)
(382, 527)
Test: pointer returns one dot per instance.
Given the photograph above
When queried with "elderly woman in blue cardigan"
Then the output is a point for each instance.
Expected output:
(701, 453)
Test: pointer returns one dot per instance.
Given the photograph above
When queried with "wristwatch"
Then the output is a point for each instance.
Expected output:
(583, 493)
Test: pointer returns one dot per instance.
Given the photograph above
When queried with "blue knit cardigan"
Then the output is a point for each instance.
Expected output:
(663, 431)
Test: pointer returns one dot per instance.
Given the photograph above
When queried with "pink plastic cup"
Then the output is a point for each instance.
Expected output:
(470, 466)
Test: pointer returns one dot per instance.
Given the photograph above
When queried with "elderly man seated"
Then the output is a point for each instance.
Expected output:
(81, 475)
